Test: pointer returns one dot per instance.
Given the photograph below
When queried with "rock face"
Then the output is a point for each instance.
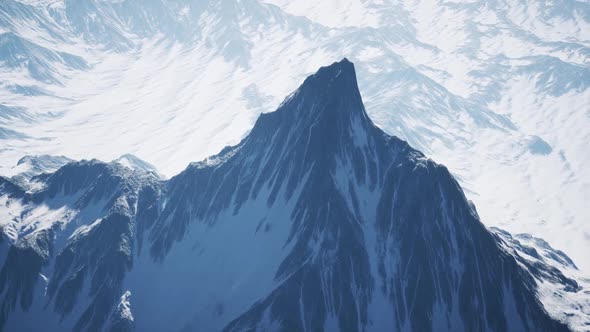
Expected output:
(317, 220)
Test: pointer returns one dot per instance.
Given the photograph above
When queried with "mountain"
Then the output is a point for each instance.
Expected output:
(560, 286)
(316, 220)
(132, 162)
(473, 84)
(29, 166)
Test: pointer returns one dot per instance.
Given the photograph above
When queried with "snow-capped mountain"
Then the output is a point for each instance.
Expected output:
(132, 162)
(561, 286)
(498, 91)
(316, 220)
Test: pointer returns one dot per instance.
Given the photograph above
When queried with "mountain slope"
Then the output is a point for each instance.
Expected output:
(316, 220)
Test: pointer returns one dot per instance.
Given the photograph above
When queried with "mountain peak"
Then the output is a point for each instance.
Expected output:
(330, 96)
(343, 69)
(339, 79)
(134, 163)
